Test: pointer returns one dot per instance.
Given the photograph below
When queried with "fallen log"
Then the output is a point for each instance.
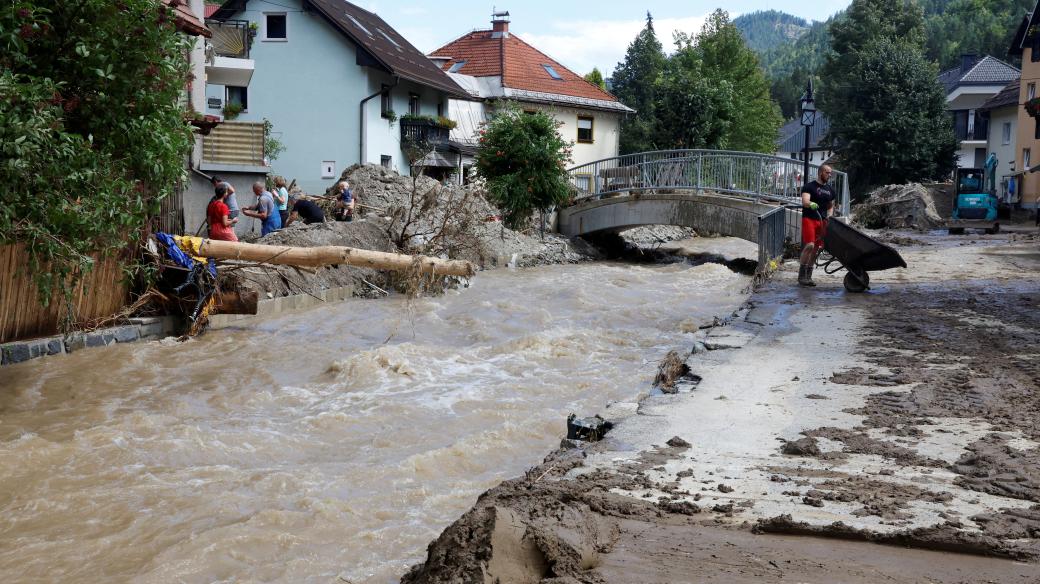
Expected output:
(324, 256)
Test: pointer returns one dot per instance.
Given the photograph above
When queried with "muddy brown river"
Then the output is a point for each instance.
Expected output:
(328, 445)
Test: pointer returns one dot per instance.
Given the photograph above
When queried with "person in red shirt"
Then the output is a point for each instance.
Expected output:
(221, 225)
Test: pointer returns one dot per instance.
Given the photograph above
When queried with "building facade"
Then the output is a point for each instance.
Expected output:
(1026, 43)
(1001, 112)
(333, 81)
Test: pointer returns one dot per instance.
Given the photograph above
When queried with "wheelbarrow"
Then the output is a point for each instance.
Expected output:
(857, 252)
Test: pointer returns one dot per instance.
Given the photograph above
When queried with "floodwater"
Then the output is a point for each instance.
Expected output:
(328, 445)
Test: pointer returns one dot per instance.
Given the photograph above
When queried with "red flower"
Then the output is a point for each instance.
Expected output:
(71, 103)
(24, 13)
(26, 32)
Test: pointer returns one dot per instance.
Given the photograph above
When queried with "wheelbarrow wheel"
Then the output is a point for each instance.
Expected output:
(857, 282)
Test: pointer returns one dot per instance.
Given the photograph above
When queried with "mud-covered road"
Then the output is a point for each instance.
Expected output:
(823, 425)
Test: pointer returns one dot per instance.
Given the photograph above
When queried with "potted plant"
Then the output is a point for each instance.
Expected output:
(1033, 107)
(390, 115)
(231, 110)
(203, 122)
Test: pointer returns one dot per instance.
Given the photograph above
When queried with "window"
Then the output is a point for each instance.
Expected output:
(387, 37)
(359, 25)
(384, 102)
(237, 95)
(1005, 137)
(440, 110)
(1025, 159)
(1034, 52)
(1031, 91)
(585, 129)
(456, 66)
(1036, 130)
(386, 162)
(552, 72)
(276, 26)
(413, 104)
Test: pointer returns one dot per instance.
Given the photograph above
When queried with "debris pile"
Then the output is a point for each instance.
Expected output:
(909, 206)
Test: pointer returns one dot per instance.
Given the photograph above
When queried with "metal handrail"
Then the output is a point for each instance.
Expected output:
(745, 174)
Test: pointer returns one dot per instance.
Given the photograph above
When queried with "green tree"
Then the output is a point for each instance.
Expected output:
(888, 111)
(633, 82)
(694, 110)
(726, 59)
(524, 161)
(596, 78)
(92, 136)
(787, 91)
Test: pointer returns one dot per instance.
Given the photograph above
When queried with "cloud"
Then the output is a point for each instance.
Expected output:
(582, 46)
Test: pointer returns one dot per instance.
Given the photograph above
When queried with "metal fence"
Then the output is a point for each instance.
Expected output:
(772, 236)
(748, 174)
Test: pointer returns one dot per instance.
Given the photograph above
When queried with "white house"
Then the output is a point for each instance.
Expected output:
(496, 64)
(1001, 111)
(968, 86)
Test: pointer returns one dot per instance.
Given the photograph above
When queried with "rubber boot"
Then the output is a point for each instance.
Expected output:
(808, 276)
(802, 268)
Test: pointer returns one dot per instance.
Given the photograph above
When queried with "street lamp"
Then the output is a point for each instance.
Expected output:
(808, 106)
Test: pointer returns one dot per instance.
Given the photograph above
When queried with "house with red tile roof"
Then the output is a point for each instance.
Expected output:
(497, 65)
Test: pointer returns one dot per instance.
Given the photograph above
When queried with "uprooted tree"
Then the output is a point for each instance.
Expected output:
(91, 134)
(434, 219)
(524, 161)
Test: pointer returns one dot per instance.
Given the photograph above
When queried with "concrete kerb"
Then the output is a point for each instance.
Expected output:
(136, 329)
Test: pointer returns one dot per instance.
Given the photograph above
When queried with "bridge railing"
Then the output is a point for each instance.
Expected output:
(747, 174)
(772, 236)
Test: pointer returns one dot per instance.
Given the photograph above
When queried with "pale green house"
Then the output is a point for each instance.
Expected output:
(329, 75)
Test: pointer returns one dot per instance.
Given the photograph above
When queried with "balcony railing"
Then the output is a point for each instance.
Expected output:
(237, 143)
(423, 131)
(230, 38)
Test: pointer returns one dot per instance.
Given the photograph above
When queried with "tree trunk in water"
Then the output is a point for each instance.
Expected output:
(329, 255)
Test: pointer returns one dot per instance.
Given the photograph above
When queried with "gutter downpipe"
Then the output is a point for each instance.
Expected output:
(361, 118)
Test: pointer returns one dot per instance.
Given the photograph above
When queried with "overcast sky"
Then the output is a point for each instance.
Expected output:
(579, 34)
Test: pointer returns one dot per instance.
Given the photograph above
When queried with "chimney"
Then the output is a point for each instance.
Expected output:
(500, 25)
(967, 61)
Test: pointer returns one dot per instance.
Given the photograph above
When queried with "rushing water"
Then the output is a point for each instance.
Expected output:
(326, 445)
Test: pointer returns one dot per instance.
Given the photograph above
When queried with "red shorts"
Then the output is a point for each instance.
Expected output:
(813, 231)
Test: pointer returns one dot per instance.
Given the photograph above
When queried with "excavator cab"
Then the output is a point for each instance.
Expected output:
(977, 195)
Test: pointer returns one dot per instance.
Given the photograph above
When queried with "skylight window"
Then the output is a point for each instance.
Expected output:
(387, 37)
(359, 25)
(455, 67)
(552, 72)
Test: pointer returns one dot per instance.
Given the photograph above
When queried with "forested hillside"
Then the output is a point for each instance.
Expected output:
(766, 29)
(952, 28)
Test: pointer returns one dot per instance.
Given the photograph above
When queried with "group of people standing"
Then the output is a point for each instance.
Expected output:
(275, 209)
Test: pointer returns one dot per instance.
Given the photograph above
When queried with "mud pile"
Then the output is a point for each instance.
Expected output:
(909, 206)
(479, 236)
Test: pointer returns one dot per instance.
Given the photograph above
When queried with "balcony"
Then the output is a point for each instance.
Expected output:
(229, 62)
(416, 130)
(234, 146)
(970, 127)
(230, 38)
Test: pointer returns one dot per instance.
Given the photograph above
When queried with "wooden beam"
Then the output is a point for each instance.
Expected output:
(324, 256)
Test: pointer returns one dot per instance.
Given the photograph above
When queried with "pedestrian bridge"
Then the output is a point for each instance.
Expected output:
(752, 196)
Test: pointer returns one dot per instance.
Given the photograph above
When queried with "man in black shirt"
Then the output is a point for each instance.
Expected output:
(306, 210)
(817, 206)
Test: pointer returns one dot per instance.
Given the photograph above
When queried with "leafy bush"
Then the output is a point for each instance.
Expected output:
(524, 160)
(231, 110)
(92, 136)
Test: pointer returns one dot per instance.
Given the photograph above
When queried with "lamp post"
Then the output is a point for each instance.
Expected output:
(808, 106)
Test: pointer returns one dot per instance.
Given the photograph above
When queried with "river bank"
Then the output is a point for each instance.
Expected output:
(812, 422)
